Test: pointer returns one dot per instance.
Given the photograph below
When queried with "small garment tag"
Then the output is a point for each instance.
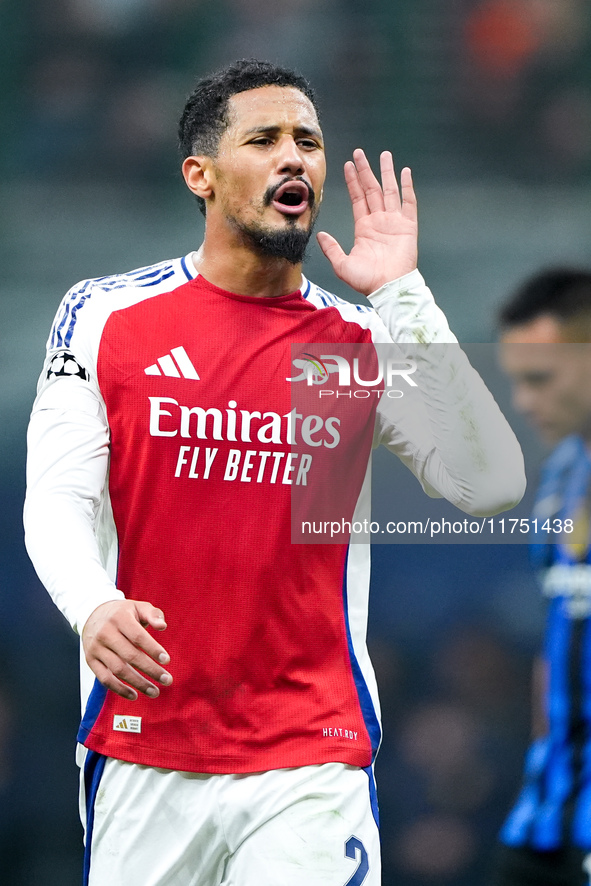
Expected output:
(127, 724)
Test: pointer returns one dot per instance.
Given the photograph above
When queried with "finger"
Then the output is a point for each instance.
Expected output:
(133, 628)
(389, 183)
(409, 198)
(332, 249)
(150, 616)
(356, 192)
(109, 681)
(132, 654)
(124, 671)
(130, 650)
(372, 189)
(130, 642)
(127, 617)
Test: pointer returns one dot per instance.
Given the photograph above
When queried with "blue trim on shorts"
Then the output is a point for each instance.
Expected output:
(94, 766)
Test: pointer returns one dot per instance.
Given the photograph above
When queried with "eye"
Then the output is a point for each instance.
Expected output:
(261, 140)
(308, 144)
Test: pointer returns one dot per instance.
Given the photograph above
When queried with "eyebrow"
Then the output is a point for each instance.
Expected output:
(301, 130)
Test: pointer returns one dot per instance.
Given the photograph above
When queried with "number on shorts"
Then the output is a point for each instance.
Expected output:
(352, 847)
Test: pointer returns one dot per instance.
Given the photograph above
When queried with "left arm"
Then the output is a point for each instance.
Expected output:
(452, 435)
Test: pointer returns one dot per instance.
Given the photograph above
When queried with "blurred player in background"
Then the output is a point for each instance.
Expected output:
(548, 832)
(163, 448)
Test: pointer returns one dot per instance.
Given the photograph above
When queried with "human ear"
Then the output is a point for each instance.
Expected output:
(198, 175)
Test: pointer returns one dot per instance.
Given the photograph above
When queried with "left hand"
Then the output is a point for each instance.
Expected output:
(386, 229)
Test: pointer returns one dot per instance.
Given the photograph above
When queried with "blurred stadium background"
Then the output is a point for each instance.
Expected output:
(489, 101)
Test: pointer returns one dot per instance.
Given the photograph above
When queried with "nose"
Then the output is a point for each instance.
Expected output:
(524, 399)
(289, 159)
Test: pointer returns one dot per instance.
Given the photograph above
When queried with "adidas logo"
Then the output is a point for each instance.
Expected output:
(127, 724)
(179, 367)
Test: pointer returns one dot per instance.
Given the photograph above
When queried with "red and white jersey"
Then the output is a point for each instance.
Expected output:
(164, 448)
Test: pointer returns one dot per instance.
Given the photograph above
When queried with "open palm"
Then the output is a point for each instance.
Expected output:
(386, 229)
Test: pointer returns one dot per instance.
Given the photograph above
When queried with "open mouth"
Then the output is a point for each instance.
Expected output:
(292, 198)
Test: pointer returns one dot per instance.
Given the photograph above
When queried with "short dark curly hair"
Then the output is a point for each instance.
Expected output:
(205, 115)
(562, 292)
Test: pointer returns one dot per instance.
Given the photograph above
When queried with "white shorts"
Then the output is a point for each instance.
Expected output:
(310, 826)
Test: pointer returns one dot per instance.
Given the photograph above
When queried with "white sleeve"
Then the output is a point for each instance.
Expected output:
(449, 430)
(68, 456)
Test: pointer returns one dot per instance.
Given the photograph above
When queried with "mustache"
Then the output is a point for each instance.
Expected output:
(269, 194)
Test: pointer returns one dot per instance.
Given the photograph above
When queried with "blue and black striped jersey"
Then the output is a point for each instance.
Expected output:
(554, 805)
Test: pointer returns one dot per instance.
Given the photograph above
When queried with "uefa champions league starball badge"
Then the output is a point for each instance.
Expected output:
(64, 365)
